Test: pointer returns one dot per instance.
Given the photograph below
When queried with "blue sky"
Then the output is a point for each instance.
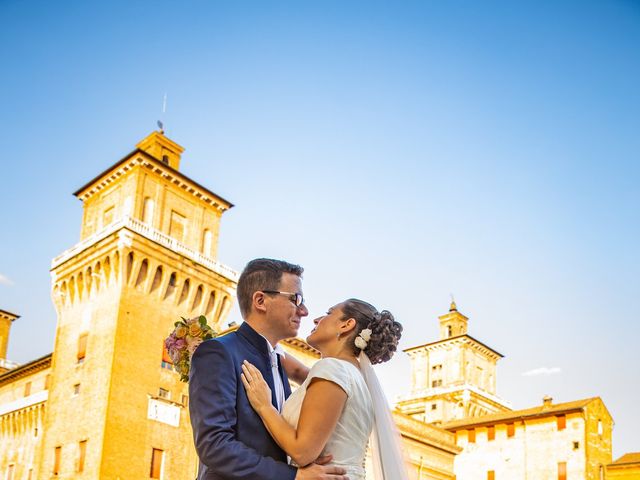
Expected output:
(400, 152)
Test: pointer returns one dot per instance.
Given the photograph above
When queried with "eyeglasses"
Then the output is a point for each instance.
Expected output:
(296, 298)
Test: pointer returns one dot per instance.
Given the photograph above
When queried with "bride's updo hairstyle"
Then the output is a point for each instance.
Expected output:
(385, 331)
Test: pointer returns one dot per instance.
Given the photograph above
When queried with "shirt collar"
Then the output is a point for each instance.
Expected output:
(278, 348)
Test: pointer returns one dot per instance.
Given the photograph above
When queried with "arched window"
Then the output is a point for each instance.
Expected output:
(207, 239)
(171, 286)
(226, 304)
(198, 298)
(129, 264)
(157, 278)
(185, 291)
(107, 269)
(210, 304)
(72, 289)
(142, 274)
(80, 285)
(64, 292)
(147, 210)
(89, 280)
(97, 276)
(116, 265)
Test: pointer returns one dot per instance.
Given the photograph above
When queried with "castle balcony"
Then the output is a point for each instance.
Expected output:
(150, 233)
(22, 403)
(8, 364)
(464, 391)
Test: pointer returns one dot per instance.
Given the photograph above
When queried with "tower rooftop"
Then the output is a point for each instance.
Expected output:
(8, 315)
(146, 156)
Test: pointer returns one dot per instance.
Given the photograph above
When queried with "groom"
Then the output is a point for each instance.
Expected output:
(231, 440)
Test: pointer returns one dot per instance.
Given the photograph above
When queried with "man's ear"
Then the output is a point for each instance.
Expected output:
(349, 325)
(258, 302)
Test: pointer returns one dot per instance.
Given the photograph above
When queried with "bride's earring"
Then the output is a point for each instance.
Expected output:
(338, 335)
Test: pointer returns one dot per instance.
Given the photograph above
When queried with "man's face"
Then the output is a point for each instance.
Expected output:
(282, 314)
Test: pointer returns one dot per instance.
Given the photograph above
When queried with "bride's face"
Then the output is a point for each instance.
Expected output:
(326, 328)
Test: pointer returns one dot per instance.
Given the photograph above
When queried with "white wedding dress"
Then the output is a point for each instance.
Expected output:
(348, 442)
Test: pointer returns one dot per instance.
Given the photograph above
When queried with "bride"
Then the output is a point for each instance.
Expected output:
(339, 403)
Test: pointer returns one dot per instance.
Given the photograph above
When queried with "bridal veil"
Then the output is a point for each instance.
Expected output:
(386, 451)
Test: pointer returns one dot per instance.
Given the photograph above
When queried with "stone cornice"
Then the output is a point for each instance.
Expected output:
(8, 315)
(140, 158)
(428, 394)
(25, 370)
(150, 233)
(300, 345)
(457, 341)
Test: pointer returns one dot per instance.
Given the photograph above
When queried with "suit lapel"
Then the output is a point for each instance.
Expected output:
(260, 344)
(270, 380)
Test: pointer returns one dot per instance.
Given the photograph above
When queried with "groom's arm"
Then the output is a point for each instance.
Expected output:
(212, 407)
(296, 370)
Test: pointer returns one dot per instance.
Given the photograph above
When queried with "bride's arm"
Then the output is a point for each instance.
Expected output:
(296, 370)
(321, 409)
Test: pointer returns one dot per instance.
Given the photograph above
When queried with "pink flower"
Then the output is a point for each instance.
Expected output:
(180, 344)
(169, 342)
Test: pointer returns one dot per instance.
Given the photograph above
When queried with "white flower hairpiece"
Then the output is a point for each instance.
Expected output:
(362, 340)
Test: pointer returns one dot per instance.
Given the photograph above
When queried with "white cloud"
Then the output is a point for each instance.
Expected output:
(542, 371)
(4, 280)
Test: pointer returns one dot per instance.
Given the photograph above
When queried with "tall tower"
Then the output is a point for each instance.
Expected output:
(454, 377)
(146, 257)
(6, 319)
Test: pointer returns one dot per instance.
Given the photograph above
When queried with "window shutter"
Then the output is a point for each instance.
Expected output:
(156, 463)
(56, 460)
(82, 346)
(562, 470)
(562, 422)
(82, 450)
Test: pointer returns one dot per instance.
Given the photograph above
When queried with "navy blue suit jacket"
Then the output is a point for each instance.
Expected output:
(230, 438)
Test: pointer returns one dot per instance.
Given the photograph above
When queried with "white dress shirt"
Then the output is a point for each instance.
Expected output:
(277, 379)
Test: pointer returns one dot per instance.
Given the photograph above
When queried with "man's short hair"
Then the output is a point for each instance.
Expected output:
(262, 274)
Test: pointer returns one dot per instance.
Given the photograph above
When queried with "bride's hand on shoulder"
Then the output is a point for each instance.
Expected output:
(258, 391)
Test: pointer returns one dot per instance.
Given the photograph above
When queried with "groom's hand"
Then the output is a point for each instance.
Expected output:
(321, 472)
